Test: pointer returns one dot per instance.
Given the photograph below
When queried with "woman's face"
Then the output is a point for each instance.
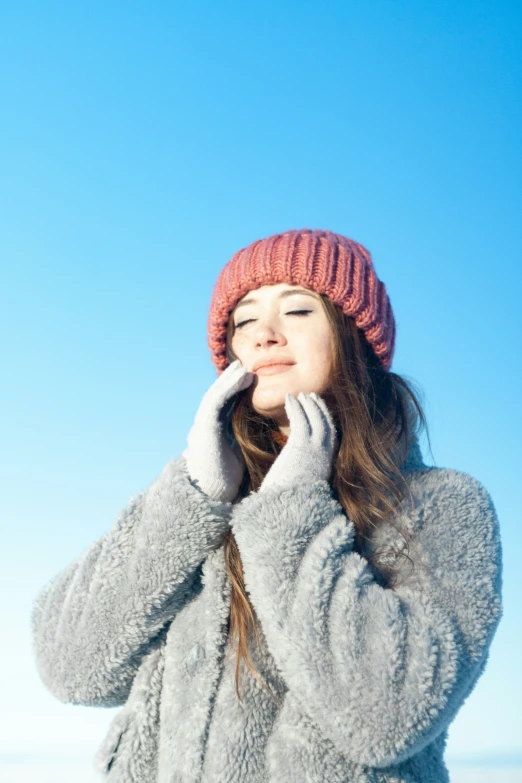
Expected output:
(287, 323)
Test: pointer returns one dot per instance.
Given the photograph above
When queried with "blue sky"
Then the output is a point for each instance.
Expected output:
(141, 145)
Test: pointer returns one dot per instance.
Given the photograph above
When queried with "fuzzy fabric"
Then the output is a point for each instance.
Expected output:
(214, 463)
(369, 677)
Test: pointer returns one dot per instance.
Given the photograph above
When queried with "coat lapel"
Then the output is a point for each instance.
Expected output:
(195, 647)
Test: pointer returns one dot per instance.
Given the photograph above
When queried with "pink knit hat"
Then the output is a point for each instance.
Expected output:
(325, 262)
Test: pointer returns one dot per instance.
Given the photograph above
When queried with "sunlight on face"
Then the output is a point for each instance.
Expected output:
(269, 324)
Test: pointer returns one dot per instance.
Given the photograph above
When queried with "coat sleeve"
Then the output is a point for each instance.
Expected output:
(381, 671)
(93, 623)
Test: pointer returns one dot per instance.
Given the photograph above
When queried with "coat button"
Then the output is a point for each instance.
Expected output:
(195, 657)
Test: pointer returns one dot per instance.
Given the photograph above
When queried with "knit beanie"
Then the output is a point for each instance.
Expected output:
(325, 262)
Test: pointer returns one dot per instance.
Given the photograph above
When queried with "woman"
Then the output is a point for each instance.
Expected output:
(299, 534)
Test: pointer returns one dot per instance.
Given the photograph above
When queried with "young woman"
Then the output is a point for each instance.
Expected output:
(297, 597)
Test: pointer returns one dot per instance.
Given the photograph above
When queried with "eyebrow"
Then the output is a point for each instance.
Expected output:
(282, 295)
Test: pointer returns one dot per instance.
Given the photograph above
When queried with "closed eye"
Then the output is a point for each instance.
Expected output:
(292, 312)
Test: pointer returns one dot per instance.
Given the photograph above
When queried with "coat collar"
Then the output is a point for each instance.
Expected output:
(413, 459)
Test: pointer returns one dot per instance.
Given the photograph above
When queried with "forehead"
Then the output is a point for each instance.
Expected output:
(268, 292)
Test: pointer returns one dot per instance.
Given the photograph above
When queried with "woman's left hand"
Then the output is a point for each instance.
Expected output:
(308, 454)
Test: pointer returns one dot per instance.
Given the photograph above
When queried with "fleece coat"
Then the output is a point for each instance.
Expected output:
(369, 678)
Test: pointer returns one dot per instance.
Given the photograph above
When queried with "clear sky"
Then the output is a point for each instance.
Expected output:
(141, 145)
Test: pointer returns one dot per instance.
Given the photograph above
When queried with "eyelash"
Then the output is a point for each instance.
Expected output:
(292, 312)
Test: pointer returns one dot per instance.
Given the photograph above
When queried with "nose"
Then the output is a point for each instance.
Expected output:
(265, 335)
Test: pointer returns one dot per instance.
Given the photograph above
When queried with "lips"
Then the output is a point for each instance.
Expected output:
(273, 369)
(271, 363)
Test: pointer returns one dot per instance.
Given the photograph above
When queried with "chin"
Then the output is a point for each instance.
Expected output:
(269, 401)
(267, 396)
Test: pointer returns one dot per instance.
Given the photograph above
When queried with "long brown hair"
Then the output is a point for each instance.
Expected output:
(376, 413)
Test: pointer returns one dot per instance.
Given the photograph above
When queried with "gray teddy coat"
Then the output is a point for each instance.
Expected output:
(369, 678)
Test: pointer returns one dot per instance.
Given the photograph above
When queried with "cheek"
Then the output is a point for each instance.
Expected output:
(316, 358)
(238, 347)
(316, 346)
(320, 369)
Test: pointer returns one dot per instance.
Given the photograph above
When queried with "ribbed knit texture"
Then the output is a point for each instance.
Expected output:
(325, 262)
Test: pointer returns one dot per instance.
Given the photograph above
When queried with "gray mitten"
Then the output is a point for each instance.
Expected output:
(308, 454)
(212, 462)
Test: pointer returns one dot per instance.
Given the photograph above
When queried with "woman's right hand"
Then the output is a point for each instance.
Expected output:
(211, 461)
